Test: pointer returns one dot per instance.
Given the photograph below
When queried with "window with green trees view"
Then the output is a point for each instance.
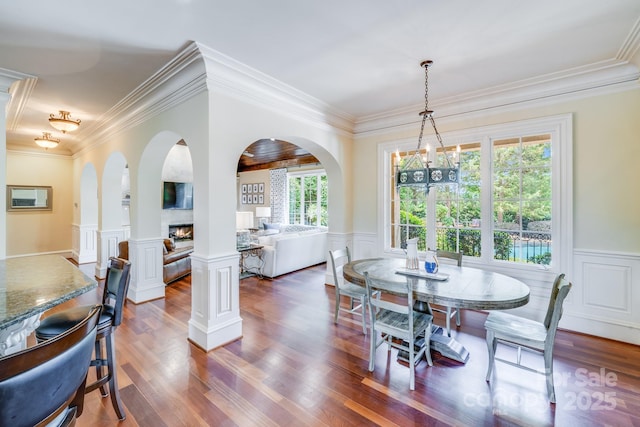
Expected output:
(307, 197)
(505, 207)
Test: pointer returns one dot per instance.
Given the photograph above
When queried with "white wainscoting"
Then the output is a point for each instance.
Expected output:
(605, 298)
(361, 245)
(84, 244)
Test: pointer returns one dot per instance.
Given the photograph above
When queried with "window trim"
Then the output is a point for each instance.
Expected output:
(561, 129)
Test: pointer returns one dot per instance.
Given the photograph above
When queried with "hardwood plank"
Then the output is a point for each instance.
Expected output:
(294, 366)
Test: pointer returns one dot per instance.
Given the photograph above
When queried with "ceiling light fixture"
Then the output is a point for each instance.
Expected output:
(46, 141)
(416, 170)
(64, 123)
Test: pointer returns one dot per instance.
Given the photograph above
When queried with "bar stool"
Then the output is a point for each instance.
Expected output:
(44, 384)
(115, 291)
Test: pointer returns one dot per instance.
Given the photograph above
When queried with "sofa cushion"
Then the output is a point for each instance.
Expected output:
(177, 254)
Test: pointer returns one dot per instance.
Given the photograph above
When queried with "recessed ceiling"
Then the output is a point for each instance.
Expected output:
(359, 57)
(274, 154)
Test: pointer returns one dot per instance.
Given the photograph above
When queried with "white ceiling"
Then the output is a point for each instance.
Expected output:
(360, 57)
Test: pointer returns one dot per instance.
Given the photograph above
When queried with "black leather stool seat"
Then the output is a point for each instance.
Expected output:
(58, 323)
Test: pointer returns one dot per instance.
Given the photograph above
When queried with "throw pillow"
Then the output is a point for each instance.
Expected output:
(169, 245)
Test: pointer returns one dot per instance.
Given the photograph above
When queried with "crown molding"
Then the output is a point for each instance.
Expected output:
(8, 77)
(196, 69)
(21, 151)
(238, 80)
(19, 87)
(179, 80)
(596, 79)
(631, 46)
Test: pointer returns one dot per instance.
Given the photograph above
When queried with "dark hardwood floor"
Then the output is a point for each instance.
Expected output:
(294, 367)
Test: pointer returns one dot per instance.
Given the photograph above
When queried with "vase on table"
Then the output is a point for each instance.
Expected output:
(412, 262)
(431, 262)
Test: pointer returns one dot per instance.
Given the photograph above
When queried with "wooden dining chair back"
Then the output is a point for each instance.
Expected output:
(355, 293)
(392, 316)
(526, 334)
(447, 310)
(114, 295)
(44, 384)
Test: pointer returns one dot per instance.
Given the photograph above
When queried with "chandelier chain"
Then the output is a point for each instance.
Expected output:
(426, 107)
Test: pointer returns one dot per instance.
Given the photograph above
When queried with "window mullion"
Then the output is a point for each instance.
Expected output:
(486, 200)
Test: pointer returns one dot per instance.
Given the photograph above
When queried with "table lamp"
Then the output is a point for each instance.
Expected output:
(263, 213)
(244, 221)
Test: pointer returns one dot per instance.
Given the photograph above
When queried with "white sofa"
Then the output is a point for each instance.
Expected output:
(290, 251)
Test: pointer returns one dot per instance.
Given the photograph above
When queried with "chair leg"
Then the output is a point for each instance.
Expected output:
(363, 313)
(548, 372)
(491, 347)
(335, 317)
(457, 317)
(113, 378)
(99, 374)
(427, 343)
(448, 321)
(412, 365)
(372, 349)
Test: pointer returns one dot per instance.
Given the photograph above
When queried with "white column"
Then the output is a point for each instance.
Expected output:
(146, 270)
(107, 247)
(215, 301)
(84, 242)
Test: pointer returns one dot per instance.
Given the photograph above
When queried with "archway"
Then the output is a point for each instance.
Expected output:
(145, 242)
(111, 230)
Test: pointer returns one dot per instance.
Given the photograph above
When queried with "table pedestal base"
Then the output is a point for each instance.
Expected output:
(441, 343)
(449, 347)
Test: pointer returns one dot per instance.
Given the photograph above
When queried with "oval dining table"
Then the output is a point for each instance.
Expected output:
(461, 287)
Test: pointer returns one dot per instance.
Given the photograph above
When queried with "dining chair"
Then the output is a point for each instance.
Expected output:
(113, 298)
(354, 292)
(44, 384)
(526, 334)
(398, 324)
(449, 311)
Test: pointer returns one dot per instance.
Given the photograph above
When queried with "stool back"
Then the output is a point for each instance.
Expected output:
(116, 286)
(47, 381)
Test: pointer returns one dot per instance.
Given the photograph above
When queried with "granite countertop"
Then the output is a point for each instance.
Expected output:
(33, 284)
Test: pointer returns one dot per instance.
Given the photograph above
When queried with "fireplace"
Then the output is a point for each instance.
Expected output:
(179, 232)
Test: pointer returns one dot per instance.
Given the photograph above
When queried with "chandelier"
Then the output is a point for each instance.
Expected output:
(64, 123)
(46, 141)
(417, 170)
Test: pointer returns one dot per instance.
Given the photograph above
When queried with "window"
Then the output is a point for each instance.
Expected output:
(512, 207)
(307, 198)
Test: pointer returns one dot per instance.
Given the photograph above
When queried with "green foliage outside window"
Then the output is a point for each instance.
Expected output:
(521, 195)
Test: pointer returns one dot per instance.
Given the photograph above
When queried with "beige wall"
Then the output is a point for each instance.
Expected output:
(254, 177)
(606, 152)
(40, 232)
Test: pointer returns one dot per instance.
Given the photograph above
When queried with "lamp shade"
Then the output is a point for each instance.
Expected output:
(263, 212)
(244, 220)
